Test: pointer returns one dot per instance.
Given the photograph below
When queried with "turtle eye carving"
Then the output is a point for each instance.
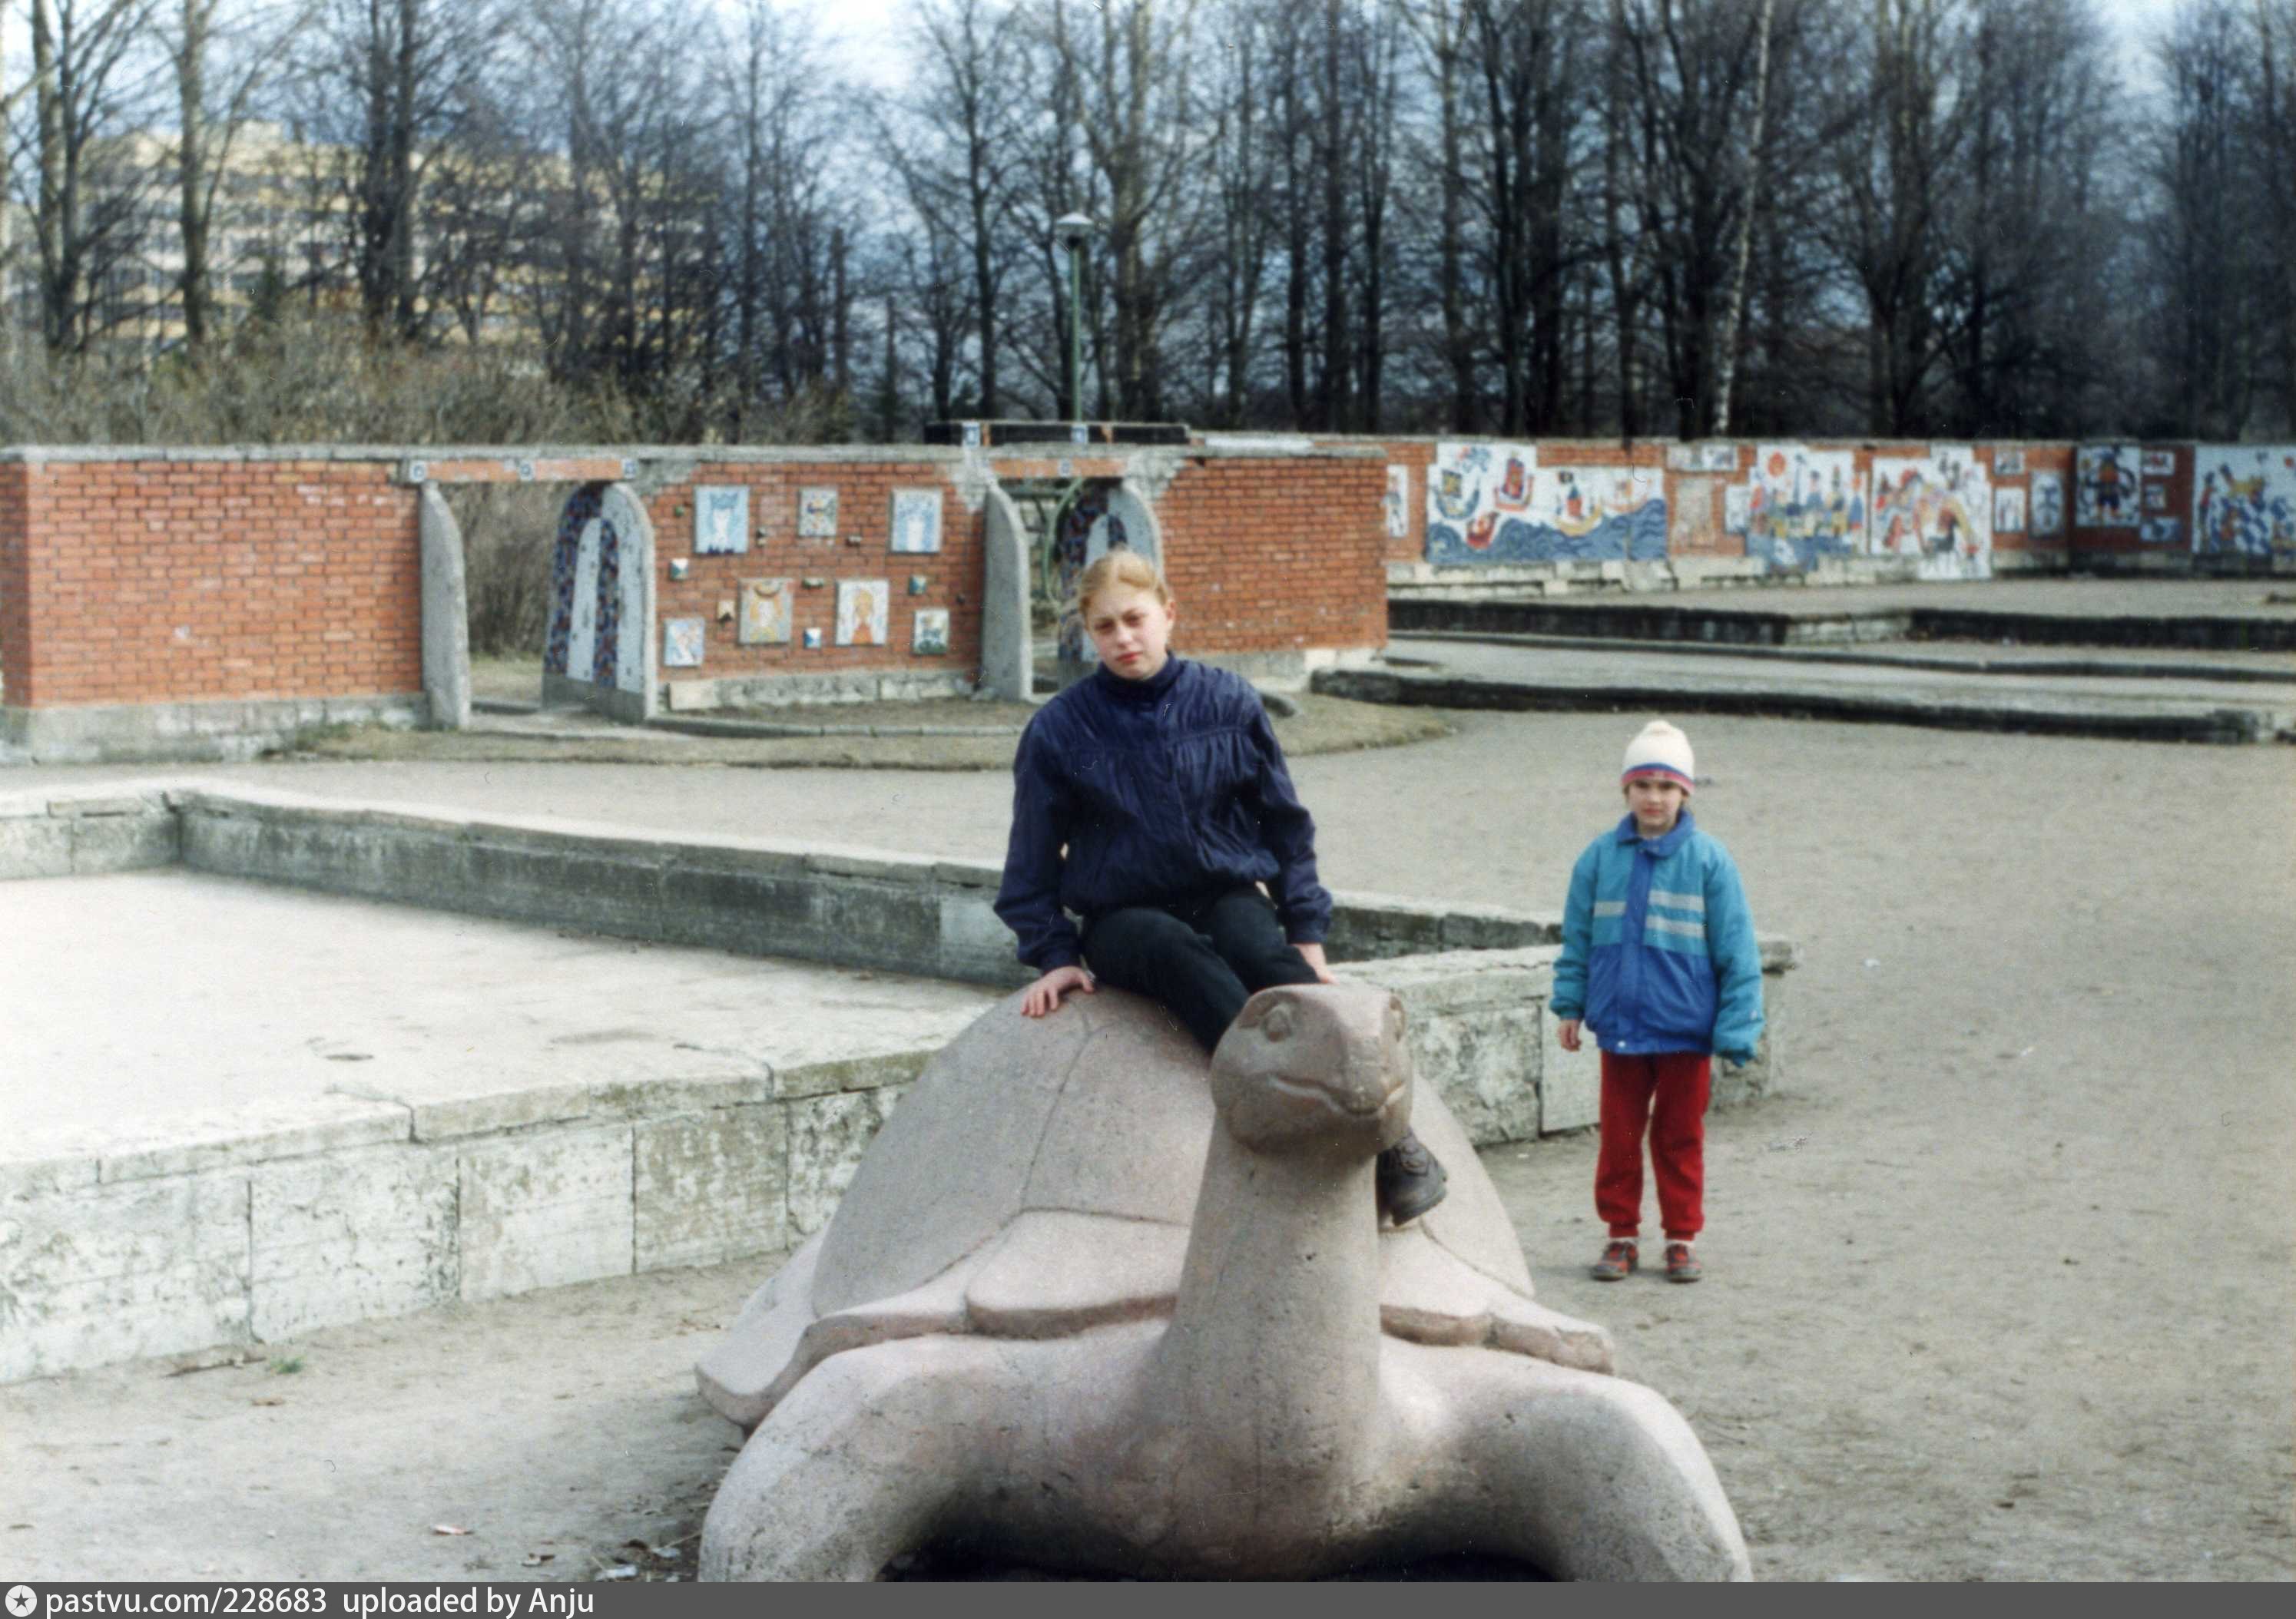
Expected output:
(1278, 1025)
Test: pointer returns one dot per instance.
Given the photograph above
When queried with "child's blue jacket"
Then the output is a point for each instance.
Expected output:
(1657, 946)
(1161, 789)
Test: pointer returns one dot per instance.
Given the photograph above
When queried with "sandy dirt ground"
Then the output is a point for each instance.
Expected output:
(2000, 1289)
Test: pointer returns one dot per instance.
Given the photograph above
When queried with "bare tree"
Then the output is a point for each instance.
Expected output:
(223, 55)
(87, 175)
(1139, 130)
(1529, 56)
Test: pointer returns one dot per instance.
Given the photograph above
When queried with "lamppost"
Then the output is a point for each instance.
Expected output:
(1071, 231)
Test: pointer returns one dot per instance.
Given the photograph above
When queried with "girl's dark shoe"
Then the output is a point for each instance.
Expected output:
(1408, 1181)
(1681, 1263)
(1617, 1263)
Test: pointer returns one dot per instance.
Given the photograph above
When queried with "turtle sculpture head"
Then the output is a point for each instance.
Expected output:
(1081, 1308)
(1316, 1069)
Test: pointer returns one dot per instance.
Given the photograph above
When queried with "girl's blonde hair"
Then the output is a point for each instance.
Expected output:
(1122, 566)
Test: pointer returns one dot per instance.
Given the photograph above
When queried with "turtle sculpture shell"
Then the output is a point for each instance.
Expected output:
(1039, 1179)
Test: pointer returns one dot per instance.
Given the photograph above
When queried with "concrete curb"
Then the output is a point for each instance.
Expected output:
(2087, 668)
(1743, 626)
(2189, 723)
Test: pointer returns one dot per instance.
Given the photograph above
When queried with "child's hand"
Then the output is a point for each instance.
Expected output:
(1567, 1032)
(1313, 954)
(1045, 992)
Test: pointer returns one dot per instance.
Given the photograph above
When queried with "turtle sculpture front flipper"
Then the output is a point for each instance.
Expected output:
(1587, 1476)
(1002, 1341)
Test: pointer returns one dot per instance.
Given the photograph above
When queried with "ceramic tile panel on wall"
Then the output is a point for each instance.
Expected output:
(799, 568)
(2134, 498)
(2029, 481)
(2244, 501)
(1523, 502)
(1932, 505)
(1799, 504)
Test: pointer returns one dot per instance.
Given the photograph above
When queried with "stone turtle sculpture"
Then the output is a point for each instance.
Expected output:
(1081, 1309)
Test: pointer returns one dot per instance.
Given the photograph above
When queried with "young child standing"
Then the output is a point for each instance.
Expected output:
(1150, 799)
(1659, 959)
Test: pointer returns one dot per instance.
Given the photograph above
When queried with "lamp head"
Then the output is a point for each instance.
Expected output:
(1071, 229)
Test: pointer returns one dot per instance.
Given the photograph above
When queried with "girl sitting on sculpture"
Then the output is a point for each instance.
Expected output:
(1151, 800)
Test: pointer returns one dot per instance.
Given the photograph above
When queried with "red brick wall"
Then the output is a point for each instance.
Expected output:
(1274, 555)
(144, 580)
(865, 509)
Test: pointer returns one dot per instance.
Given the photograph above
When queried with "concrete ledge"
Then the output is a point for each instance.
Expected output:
(208, 732)
(2163, 722)
(121, 828)
(791, 691)
(1655, 621)
(377, 1205)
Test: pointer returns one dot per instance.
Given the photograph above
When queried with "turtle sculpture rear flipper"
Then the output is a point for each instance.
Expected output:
(1059, 1309)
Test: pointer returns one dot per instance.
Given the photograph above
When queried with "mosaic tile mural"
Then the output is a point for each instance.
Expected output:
(2104, 486)
(1937, 509)
(2245, 500)
(1801, 505)
(598, 586)
(1494, 503)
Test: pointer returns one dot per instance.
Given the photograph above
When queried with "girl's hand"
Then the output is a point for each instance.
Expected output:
(1567, 1032)
(1045, 992)
(1313, 954)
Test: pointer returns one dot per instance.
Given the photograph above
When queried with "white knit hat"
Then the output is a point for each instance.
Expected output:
(1661, 750)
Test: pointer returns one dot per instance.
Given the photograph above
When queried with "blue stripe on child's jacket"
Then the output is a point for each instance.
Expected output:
(1658, 946)
(1158, 789)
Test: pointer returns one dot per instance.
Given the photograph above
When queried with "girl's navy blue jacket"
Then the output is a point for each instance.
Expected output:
(1160, 788)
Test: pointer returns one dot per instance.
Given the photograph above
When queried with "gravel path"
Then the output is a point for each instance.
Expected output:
(1999, 1289)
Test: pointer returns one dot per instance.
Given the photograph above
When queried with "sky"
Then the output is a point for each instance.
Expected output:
(872, 30)
(870, 42)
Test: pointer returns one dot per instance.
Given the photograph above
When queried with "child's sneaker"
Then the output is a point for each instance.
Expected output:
(1681, 1263)
(1617, 1263)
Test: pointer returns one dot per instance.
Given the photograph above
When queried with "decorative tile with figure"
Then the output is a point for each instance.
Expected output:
(721, 520)
(1937, 509)
(928, 631)
(682, 643)
(863, 608)
(1801, 505)
(817, 514)
(916, 520)
(1397, 503)
(766, 605)
(2047, 492)
(2245, 503)
(2104, 486)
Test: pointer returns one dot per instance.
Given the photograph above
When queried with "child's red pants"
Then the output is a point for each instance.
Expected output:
(1679, 1082)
